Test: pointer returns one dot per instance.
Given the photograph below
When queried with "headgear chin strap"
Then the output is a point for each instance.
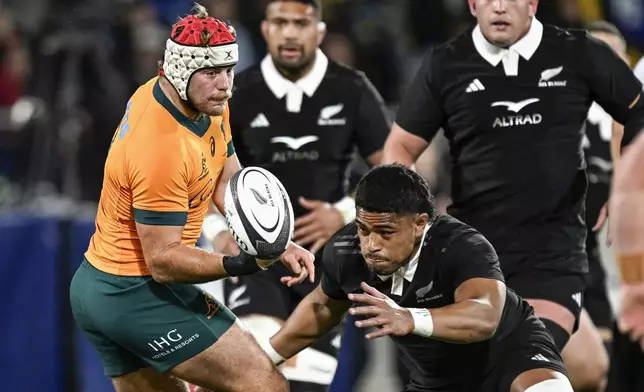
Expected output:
(196, 42)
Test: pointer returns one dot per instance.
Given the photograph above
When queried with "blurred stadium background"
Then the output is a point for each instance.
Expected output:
(67, 68)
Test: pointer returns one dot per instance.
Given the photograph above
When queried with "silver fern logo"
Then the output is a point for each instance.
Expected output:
(327, 113)
(259, 197)
(548, 74)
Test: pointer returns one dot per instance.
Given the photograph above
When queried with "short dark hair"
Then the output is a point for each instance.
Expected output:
(317, 4)
(602, 26)
(395, 189)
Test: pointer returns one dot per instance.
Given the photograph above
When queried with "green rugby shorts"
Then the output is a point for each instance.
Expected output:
(136, 322)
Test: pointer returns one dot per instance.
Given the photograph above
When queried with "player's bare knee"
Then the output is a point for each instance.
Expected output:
(586, 358)
(278, 382)
(264, 377)
(587, 373)
(148, 380)
(586, 379)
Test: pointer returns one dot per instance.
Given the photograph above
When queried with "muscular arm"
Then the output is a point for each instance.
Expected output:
(169, 261)
(474, 316)
(374, 159)
(313, 318)
(232, 166)
(616, 138)
(403, 147)
(479, 297)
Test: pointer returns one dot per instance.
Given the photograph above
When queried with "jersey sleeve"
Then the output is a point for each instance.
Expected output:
(331, 274)
(420, 111)
(472, 256)
(230, 147)
(614, 87)
(639, 70)
(158, 180)
(373, 123)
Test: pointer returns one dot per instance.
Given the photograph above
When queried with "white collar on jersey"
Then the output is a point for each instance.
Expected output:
(294, 91)
(407, 271)
(525, 47)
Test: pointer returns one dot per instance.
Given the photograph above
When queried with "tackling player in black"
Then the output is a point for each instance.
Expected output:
(512, 96)
(434, 285)
(301, 116)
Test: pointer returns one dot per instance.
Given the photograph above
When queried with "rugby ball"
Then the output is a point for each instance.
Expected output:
(259, 213)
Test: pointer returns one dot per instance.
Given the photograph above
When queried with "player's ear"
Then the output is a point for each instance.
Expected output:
(472, 7)
(321, 32)
(420, 222)
(534, 4)
(264, 27)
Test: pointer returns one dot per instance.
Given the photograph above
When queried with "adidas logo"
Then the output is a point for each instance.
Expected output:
(260, 121)
(577, 298)
(476, 85)
(540, 357)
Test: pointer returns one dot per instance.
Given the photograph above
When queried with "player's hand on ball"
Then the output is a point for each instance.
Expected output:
(300, 262)
(630, 319)
(382, 312)
(318, 225)
(225, 243)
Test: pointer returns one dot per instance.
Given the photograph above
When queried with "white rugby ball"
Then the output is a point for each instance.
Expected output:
(258, 212)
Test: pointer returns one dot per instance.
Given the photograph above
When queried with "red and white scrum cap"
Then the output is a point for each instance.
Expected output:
(197, 41)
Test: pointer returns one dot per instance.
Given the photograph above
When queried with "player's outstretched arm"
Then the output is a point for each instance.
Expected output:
(160, 204)
(313, 318)
(473, 317)
(479, 298)
(475, 314)
(170, 261)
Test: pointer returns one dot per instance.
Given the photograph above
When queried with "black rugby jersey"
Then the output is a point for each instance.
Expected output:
(451, 253)
(307, 132)
(514, 120)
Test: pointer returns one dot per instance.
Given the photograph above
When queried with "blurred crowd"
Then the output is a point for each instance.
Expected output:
(68, 67)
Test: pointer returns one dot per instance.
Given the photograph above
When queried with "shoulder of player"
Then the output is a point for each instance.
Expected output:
(339, 71)
(344, 243)
(452, 234)
(145, 116)
(565, 40)
(440, 57)
(348, 235)
(561, 34)
(456, 48)
(156, 136)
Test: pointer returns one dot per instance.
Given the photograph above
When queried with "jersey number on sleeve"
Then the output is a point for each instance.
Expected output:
(124, 127)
